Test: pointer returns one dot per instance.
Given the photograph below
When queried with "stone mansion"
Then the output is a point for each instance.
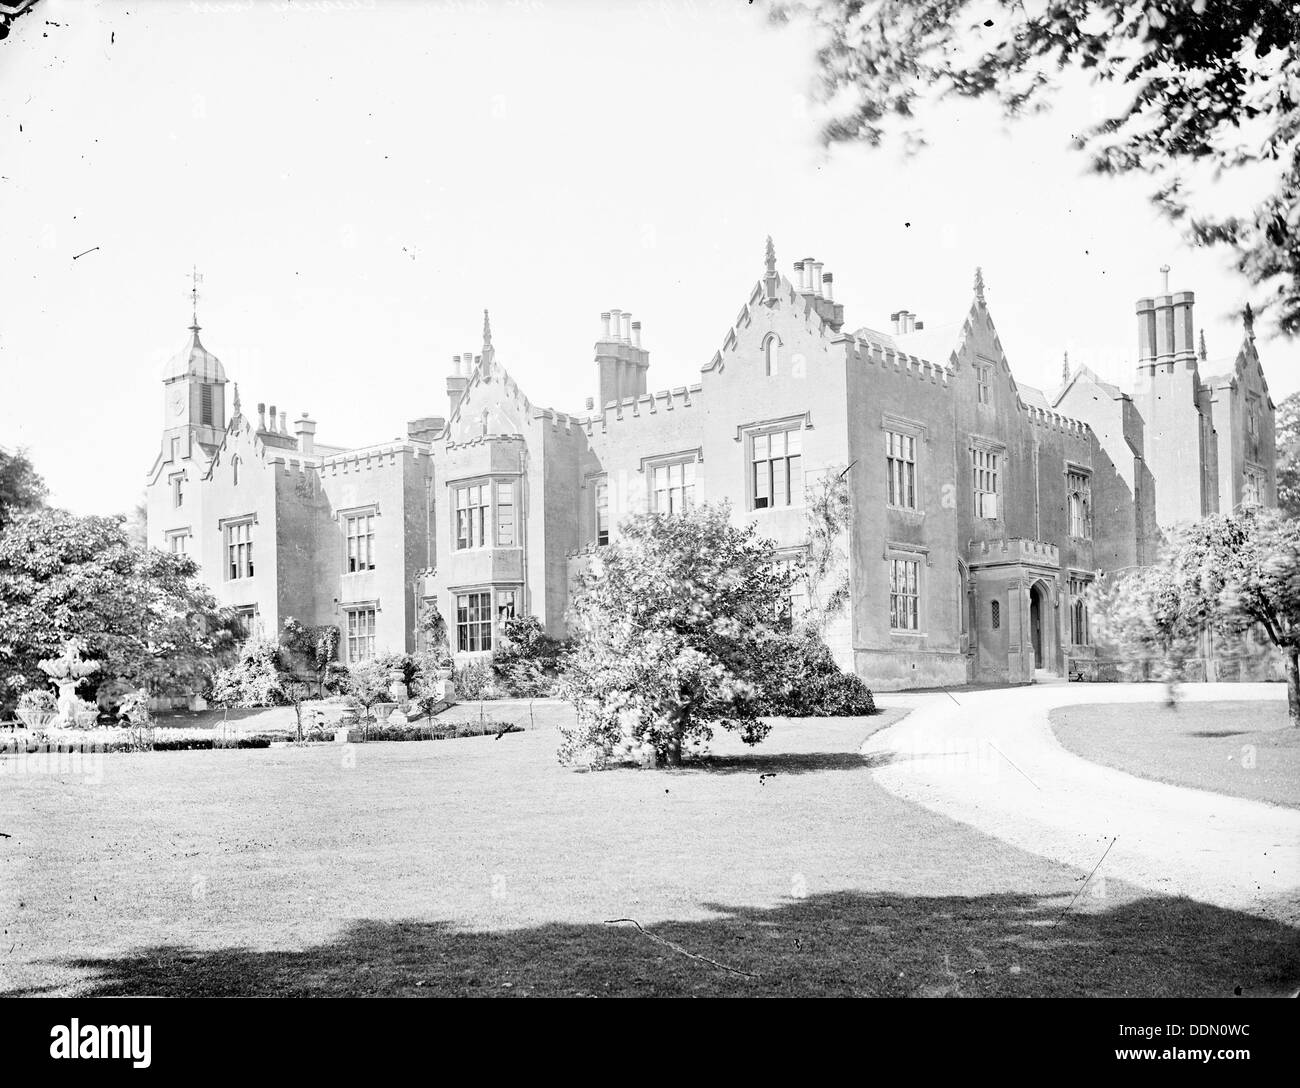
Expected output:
(982, 509)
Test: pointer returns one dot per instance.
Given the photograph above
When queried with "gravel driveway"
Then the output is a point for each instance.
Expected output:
(988, 759)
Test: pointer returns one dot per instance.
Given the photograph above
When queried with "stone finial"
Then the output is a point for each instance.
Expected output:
(236, 398)
(979, 285)
(769, 256)
(1164, 272)
(1065, 369)
(489, 353)
(1248, 321)
(1202, 352)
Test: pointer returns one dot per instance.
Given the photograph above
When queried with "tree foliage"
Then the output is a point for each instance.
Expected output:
(21, 488)
(142, 613)
(1204, 88)
(1228, 572)
(673, 624)
(1288, 455)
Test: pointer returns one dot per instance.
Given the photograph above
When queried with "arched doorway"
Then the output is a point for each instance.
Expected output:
(1037, 612)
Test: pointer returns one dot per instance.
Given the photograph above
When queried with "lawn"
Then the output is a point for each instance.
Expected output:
(482, 867)
(1246, 749)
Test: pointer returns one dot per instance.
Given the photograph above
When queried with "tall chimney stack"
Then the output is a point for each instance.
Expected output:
(457, 381)
(305, 429)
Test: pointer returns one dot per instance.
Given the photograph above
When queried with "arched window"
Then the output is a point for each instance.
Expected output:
(963, 598)
(770, 345)
(997, 614)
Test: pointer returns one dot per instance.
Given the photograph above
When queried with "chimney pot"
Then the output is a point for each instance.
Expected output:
(591, 404)
(284, 422)
(815, 286)
(261, 416)
(604, 325)
(828, 287)
(809, 265)
(636, 334)
(455, 365)
(273, 417)
(627, 327)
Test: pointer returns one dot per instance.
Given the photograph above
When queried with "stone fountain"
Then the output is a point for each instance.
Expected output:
(66, 672)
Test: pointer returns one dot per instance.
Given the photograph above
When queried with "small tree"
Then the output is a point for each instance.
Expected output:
(1243, 569)
(1145, 615)
(367, 685)
(673, 622)
(1228, 573)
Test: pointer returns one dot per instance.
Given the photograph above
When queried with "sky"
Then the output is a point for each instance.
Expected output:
(356, 181)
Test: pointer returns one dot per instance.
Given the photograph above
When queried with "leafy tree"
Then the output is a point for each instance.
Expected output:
(367, 685)
(21, 489)
(1243, 569)
(673, 624)
(1288, 455)
(1227, 573)
(1145, 615)
(312, 646)
(142, 613)
(1212, 88)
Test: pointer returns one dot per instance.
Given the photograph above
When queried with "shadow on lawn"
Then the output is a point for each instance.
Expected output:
(836, 944)
(789, 762)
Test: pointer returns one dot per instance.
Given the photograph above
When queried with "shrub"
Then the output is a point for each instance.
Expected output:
(802, 681)
(477, 681)
(528, 662)
(254, 680)
(37, 699)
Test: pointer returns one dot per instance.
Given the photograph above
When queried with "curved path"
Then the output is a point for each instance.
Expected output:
(990, 760)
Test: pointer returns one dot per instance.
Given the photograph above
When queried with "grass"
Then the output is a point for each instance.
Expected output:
(483, 867)
(1245, 749)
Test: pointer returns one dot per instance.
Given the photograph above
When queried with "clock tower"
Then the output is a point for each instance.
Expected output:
(194, 393)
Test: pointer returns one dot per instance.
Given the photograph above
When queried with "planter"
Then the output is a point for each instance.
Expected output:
(349, 717)
(36, 719)
(87, 719)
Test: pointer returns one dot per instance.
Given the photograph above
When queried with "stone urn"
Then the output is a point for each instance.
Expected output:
(397, 687)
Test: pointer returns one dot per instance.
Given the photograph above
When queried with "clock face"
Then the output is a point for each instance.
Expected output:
(178, 402)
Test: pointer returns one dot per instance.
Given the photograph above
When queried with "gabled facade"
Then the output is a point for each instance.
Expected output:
(981, 510)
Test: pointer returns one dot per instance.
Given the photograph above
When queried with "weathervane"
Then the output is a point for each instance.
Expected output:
(195, 280)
